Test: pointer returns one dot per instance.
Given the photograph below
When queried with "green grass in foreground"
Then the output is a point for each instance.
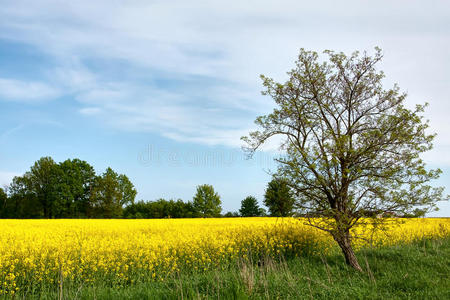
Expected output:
(416, 271)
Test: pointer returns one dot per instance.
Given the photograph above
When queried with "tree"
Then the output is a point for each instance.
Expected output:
(51, 190)
(21, 203)
(278, 198)
(3, 202)
(351, 147)
(207, 202)
(35, 193)
(111, 192)
(250, 207)
(76, 178)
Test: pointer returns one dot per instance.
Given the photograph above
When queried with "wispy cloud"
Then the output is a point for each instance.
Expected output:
(89, 111)
(171, 114)
(26, 91)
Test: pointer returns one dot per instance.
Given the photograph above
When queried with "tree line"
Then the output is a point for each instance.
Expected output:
(72, 189)
(69, 189)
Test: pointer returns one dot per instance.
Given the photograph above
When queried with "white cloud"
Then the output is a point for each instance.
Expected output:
(72, 75)
(89, 111)
(26, 91)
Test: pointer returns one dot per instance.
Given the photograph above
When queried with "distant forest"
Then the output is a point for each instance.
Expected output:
(72, 189)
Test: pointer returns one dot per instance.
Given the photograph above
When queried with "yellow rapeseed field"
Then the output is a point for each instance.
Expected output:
(41, 252)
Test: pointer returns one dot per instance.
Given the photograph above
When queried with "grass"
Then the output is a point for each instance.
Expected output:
(415, 271)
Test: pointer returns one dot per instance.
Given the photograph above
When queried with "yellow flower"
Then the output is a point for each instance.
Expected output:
(89, 250)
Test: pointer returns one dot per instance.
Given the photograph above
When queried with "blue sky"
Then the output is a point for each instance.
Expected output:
(162, 90)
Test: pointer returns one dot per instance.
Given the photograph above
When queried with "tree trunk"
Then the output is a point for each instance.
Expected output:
(344, 242)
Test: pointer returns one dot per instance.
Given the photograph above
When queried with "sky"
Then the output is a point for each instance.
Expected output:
(162, 91)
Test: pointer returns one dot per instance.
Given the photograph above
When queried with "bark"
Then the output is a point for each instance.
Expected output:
(344, 242)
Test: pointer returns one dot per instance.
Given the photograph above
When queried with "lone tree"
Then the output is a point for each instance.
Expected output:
(351, 147)
(279, 198)
(207, 202)
(250, 207)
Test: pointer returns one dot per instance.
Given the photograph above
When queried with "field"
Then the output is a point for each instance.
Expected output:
(75, 257)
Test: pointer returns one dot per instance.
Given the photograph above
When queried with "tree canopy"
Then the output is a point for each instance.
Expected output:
(160, 208)
(76, 179)
(37, 192)
(110, 193)
(207, 202)
(278, 198)
(250, 207)
(351, 147)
